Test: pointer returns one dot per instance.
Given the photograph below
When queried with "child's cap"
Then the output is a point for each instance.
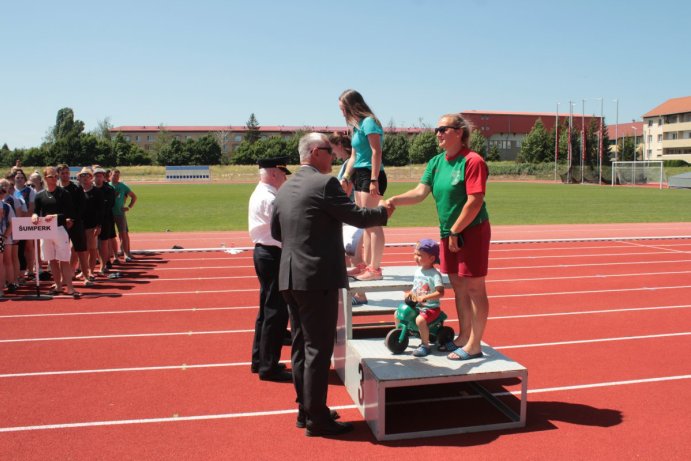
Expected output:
(430, 247)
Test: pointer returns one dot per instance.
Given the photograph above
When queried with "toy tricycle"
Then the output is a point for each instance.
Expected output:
(397, 339)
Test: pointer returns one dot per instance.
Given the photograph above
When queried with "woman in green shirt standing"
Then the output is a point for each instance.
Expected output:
(457, 179)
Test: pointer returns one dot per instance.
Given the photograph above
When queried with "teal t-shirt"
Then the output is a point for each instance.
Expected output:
(426, 281)
(121, 191)
(449, 181)
(363, 150)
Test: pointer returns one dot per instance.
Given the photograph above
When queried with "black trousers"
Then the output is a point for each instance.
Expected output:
(313, 317)
(272, 317)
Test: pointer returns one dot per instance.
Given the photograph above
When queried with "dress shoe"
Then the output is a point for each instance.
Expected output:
(333, 428)
(278, 376)
(279, 367)
(301, 422)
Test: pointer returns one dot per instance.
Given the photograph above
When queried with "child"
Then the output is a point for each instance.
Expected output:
(428, 288)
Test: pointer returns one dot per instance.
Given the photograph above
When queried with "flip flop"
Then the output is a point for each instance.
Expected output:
(463, 355)
(54, 292)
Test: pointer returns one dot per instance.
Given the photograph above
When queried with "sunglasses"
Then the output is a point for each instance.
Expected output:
(442, 129)
(50, 176)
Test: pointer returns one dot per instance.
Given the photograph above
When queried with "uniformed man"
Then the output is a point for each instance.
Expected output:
(272, 318)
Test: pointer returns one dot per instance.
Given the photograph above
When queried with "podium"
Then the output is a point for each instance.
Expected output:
(387, 389)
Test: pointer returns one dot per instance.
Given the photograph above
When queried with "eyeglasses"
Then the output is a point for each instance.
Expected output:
(442, 129)
(329, 149)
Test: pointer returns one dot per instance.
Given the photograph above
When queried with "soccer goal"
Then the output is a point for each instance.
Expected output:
(642, 172)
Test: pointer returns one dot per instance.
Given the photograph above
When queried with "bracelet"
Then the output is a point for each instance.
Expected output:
(455, 234)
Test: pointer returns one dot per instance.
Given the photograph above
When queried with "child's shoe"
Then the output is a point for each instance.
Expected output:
(370, 274)
(422, 351)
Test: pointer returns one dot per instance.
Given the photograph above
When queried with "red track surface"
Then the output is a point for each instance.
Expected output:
(156, 365)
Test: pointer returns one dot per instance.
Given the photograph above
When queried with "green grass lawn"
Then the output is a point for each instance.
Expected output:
(208, 207)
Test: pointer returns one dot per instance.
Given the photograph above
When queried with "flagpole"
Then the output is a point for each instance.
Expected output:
(556, 143)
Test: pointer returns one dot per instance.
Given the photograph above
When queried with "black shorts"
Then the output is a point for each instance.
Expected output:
(361, 180)
(107, 229)
(77, 236)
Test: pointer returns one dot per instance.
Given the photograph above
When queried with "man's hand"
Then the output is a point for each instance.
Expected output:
(388, 205)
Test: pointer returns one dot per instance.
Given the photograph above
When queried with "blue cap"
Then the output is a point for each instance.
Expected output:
(430, 247)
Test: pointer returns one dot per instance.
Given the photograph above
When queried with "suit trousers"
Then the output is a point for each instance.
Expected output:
(272, 317)
(313, 317)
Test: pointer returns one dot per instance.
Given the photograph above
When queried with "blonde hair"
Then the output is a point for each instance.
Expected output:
(462, 124)
(356, 108)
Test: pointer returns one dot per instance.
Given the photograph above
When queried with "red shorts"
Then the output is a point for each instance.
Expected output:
(430, 315)
(472, 258)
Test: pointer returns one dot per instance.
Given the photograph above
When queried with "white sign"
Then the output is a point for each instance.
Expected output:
(24, 229)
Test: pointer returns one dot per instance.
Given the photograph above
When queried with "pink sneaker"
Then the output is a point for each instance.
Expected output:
(370, 274)
(357, 270)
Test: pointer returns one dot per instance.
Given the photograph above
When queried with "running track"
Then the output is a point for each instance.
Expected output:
(155, 365)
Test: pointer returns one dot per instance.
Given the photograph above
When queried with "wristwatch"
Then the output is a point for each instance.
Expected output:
(455, 234)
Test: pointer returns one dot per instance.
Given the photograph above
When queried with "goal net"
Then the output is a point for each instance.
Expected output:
(638, 173)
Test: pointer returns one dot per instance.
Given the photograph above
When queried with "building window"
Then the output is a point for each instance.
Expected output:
(136, 138)
(650, 122)
(149, 138)
(127, 138)
(650, 138)
(238, 138)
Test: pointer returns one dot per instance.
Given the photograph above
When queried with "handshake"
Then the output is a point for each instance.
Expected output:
(388, 204)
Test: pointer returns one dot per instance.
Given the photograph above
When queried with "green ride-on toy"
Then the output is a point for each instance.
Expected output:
(397, 339)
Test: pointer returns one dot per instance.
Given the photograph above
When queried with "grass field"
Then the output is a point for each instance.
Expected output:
(218, 206)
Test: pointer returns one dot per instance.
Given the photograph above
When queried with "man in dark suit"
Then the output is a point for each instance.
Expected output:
(308, 215)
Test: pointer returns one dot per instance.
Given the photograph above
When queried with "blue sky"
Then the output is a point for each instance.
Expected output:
(215, 62)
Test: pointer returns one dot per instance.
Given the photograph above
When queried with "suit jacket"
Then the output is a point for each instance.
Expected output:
(309, 212)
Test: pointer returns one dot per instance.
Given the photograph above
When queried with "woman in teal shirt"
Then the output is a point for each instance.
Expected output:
(365, 173)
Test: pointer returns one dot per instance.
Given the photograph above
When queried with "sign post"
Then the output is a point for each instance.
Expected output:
(25, 229)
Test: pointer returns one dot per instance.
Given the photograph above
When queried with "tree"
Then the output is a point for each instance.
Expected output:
(396, 149)
(205, 151)
(172, 154)
(423, 147)
(103, 128)
(6, 157)
(537, 146)
(478, 143)
(127, 153)
(252, 133)
(65, 138)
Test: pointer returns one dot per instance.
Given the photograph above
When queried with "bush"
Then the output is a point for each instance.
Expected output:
(674, 163)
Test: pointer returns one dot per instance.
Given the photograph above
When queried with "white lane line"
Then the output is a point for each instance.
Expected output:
(256, 290)
(204, 309)
(123, 422)
(143, 311)
(599, 340)
(562, 293)
(211, 365)
(567, 266)
(656, 247)
(131, 335)
(594, 276)
(254, 277)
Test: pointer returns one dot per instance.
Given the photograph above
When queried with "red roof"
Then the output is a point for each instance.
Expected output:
(625, 130)
(671, 106)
